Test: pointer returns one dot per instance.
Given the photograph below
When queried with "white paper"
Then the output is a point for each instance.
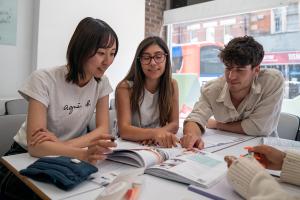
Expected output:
(282, 144)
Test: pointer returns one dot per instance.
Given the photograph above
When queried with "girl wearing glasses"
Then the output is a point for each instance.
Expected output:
(147, 98)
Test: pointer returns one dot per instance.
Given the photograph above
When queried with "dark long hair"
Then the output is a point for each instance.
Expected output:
(90, 35)
(137, 76)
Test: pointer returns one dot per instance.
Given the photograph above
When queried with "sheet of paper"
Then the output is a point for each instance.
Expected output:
(108, 171)
(282, 144)
(214, 138)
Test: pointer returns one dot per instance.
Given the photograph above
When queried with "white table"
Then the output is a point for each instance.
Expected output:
(154, 188)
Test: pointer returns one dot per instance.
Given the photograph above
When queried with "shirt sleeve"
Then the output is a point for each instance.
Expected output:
(36, 87)
(105, 87)
(264, 119)
(290, 169)
(201, 112)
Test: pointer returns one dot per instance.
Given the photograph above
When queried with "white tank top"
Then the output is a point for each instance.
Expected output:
(149, 111)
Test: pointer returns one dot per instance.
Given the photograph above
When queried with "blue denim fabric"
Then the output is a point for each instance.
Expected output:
(60, 171)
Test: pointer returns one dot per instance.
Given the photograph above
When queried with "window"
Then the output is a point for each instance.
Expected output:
(292, 16)
(195, 46)
(210, 62)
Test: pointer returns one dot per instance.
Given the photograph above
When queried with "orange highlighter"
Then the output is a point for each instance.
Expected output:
(255, 155)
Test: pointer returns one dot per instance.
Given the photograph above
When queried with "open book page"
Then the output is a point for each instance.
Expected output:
(168, 153)
(135, 154)
(142, 156)
(145, 157)
(282, 144)
(124, 144)
(198, 168)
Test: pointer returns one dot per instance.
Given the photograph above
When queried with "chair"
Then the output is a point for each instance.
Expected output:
(2, 107)
(16, 106)
(9, 126)
(112, 118)
(112, 104)
(288, 126)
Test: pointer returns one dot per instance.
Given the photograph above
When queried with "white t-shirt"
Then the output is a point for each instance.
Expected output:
(69, 107)
(149, 111)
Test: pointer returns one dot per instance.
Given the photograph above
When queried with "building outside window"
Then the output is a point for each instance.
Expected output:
(195, 47)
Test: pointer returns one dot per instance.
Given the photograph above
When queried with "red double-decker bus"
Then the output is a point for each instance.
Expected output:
(199, 58)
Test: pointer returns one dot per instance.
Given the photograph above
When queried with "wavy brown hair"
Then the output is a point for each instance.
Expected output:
(137, 76)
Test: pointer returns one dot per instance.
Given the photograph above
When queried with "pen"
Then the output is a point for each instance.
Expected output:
(248, 155)
(251, 153)
(203, 193)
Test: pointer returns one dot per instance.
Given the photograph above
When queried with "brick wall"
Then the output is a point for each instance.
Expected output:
(154, 18)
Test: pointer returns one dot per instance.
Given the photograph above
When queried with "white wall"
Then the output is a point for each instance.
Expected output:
(54, 22)
(15, 61)
(59, 18)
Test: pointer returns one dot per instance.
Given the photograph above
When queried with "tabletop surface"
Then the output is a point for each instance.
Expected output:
(153, 187)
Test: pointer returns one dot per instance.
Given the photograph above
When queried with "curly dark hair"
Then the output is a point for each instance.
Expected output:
(242, 51)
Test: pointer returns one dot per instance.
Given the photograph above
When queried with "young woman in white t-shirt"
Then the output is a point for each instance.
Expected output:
(62, 101)
(147, 98)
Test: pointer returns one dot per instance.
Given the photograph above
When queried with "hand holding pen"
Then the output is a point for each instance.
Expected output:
(99, 147)
(269, 157)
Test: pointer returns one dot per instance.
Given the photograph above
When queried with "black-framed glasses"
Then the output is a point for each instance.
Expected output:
(158, 58)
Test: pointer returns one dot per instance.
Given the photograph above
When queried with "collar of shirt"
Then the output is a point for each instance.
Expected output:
(225, 94)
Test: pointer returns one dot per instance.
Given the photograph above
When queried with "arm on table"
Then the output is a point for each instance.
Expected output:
(36, 120)
(129, 132)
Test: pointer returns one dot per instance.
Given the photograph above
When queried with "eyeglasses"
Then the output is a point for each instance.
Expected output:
(158, 58)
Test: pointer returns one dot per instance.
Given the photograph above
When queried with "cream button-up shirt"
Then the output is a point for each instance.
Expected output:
(258, 112)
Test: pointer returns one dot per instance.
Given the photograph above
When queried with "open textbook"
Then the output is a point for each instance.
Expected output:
(191, 167)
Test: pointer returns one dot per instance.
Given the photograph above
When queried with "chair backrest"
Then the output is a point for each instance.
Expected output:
(2, 107)
(288, 126)
(16, 106)
(112, 104)
(112, 118)
(9, 126)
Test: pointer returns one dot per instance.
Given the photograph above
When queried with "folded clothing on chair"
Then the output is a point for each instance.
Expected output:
(64, 172)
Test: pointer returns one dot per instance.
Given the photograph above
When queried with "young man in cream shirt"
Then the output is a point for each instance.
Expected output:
(246, 100)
